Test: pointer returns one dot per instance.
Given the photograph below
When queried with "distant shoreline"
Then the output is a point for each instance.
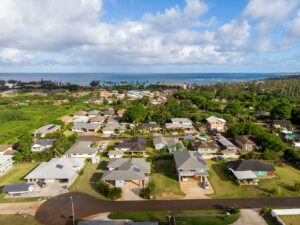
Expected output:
(84, 79)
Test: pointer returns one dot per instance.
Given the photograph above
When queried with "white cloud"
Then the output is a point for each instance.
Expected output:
(294, 27)
(271, 10)
(12, 55)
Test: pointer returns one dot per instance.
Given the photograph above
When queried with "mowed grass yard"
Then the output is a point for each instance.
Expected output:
(206, 220)
(291, 220)
(87, 182)
(225, 187)
(166, 181)
(14, 176)
(18, 220)
(161, 216)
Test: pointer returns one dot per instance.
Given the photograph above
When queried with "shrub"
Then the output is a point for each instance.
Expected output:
(265, 210)
(234, 210)
(147, 191)
(297, 187)
(114, 193)
(103, 188)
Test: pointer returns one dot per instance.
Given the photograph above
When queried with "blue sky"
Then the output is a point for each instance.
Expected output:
(150, 36)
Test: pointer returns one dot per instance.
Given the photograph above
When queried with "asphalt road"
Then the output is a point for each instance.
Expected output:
(58, 211)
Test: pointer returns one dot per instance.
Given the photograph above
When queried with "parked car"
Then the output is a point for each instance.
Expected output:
(205, 185)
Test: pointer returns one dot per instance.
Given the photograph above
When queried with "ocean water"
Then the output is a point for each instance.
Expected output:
(85, 78)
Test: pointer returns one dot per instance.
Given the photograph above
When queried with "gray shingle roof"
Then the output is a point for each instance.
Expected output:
(82, 147)
(127, 163)
(45, 142)
(189, 160)
(253, 165)
(136, 144)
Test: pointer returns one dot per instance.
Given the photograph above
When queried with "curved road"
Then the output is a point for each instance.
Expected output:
(57, 211)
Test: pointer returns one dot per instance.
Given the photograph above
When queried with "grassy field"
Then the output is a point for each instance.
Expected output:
(206, 220)
(226, 188)
(165, 179)
(291, 220)
(16, 121)
(160, 216)
(18, 220)
(86, 182)
(14, 176)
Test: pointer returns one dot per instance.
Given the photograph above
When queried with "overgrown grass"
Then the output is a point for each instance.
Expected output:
(165, 179)
(291, 219)
(225, 187)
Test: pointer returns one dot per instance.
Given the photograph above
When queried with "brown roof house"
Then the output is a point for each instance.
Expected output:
(245, 142)
(206, 148)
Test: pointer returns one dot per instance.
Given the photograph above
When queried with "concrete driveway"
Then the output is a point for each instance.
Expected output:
(131, 191)
(194, 190)
(250, 217)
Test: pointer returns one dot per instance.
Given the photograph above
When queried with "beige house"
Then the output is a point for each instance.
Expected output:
(215, 123)
(245, 143)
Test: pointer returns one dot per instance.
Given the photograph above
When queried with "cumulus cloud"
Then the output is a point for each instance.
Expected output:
(13, 55)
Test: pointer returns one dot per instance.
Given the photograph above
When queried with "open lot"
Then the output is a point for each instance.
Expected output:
(86, 182)
(166, 182)
(18, 220)
(291, 219)
(225, 187)
(17, 121)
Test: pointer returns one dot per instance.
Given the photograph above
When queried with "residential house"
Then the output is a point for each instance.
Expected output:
(181, 124)
(106, 94)
(98, 119)
(228, 148)
(115, 154)
(42, 145)
(149, 127)
(206, 148)
(6, 163)
(215, 123)
(113, 128)
(245, 142)
(47, 129)
(79, 113)
(81, 119)
(170, 143)
(60, 170)
(17, 189)
(247, 172)
(136, 145)
(108, 112)
(123, 170)
(93, 113)
(86, 127)
(190, 164)
(282, 124)
(82, 149)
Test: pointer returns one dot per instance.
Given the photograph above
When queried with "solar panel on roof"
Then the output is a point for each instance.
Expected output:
(51, 127)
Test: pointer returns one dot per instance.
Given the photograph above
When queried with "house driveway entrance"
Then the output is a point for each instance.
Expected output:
(194, 190)
(131, 191)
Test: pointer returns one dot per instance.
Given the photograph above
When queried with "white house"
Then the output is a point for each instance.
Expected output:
(47, 129)
(42, 145)
(6, 163)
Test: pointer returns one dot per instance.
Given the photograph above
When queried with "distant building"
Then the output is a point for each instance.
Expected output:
(42, 145)
(282, 124)
(215, 123)
(245, 143)
(47, 129)
(113, 128)
(136, 145)
(93, 113)
(82, 149)
(169, 143)
(108, 112)
(181, 124)
(79, 113)
(86, 127)
(81, 119)
(206, 148)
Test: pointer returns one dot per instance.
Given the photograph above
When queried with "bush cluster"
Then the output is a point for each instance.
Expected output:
(108, 191)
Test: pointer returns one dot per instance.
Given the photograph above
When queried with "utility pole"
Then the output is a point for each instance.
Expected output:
(72, 205)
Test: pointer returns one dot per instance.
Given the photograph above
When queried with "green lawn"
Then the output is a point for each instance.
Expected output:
(16, 121)
(206, 220)
(18, 220)
(165, 179)
(225, 187)
(86, 182)
(291, 220)
(14, 176)
(159, 216)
